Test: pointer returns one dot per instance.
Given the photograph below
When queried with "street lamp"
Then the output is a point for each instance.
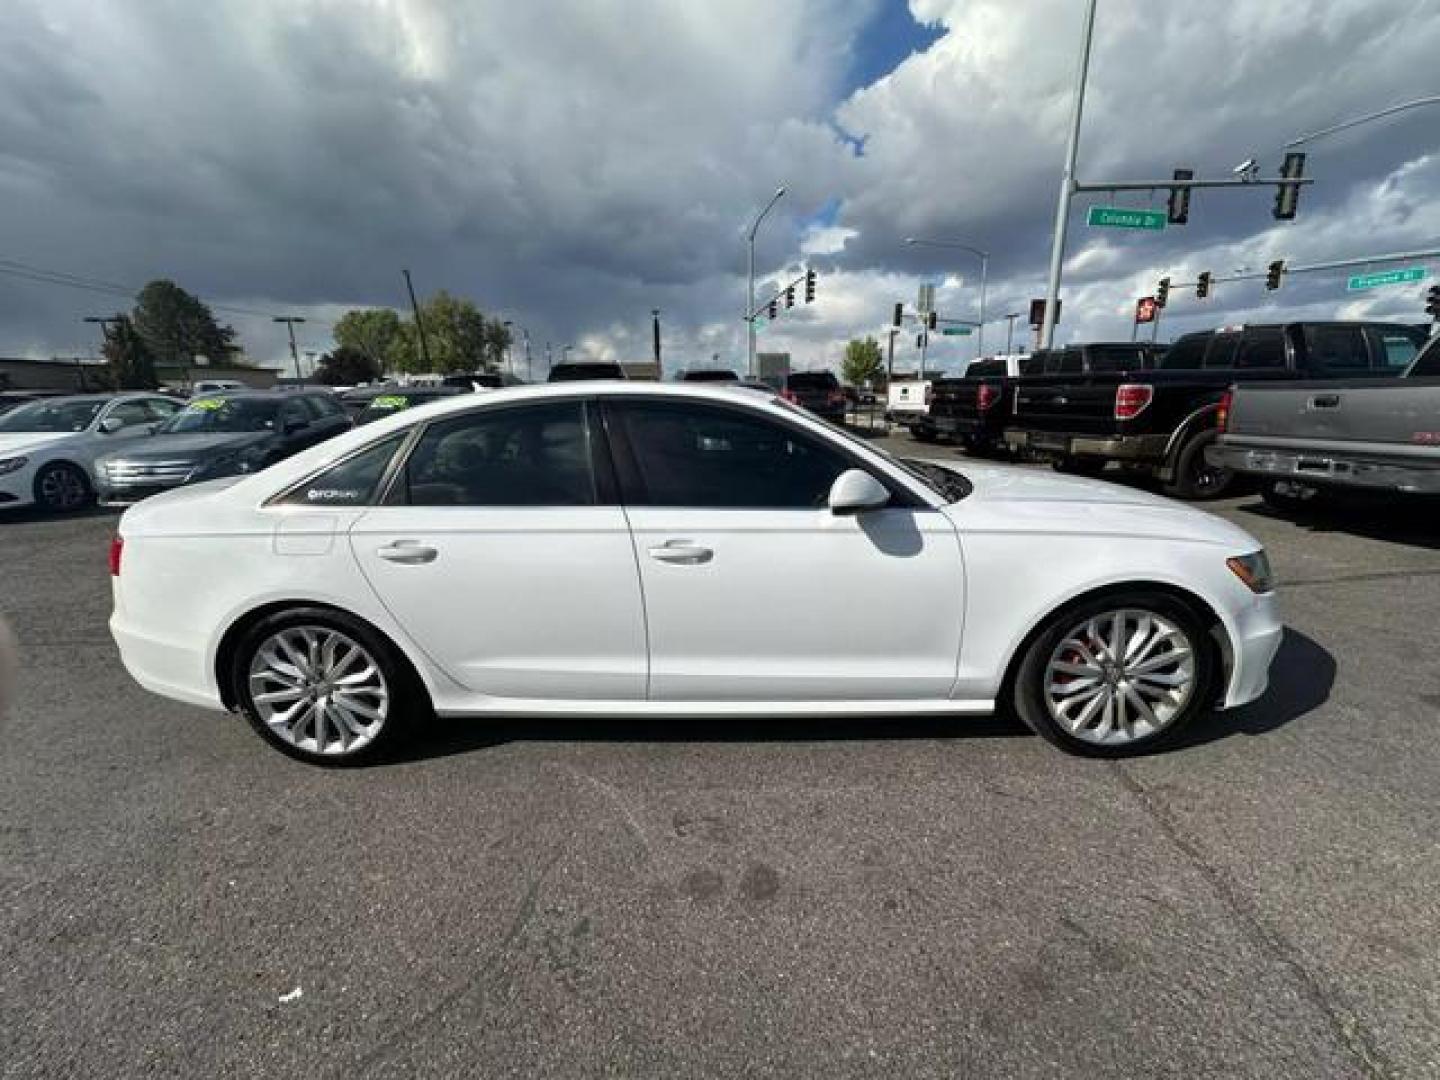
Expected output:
(984, 257)
(1299, 140)
(750, 311)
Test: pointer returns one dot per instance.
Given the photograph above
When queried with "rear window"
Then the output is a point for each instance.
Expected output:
(813, 380)
(1187, 352)
(1263, 347)
(1112, 358)
(1220, 353)
(986, 369)
(1428, 363)
(1398, 348)
(1072, 361)
(1039, 362)
(1337, 350)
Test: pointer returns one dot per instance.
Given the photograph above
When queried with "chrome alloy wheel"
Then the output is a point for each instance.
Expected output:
(319, 690)
(62, 488)
(1119, 677)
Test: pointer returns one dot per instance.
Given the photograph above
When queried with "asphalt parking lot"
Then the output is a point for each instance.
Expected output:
(950, 898)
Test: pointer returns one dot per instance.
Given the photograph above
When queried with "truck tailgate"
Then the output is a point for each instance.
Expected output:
(1075, 404)
(1381, 410)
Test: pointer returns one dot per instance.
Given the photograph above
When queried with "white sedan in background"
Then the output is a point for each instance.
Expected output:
(48, 447)
(595, 549)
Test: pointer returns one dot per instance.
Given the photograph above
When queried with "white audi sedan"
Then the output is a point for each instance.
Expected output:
(598, 549)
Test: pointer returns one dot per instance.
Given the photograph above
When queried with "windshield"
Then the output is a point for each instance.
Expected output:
(223, 414)
(57, 416)
(815, 380)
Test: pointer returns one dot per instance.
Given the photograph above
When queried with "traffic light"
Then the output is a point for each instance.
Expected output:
(1162, 290)
(1202, 285)
(810, 287)
(1180, 202)
(899, 315)
(930, 322)
(1287, 196)
(790, 296)
(1432, 302)
(774, 309)
(1273, 275)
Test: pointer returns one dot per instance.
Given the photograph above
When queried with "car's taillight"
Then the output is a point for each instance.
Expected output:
(987, 397)
(1222, 414)
(1131, 399)
(117, 548)
(834, 397)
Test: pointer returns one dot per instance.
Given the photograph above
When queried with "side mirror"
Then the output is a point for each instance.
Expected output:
(854, 491)
(110, 425)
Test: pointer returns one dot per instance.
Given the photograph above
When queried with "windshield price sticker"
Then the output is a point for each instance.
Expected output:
(209, 404)
(388, 401)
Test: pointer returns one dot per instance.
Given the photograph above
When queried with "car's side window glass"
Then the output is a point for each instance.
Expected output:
(350, 483)
(531, 455)
(700, 456)
(1221, 352)
(1429, 362)
(130, 413)
(292, 414)
(1397, 351)
(1337, 349)
(1186, 353)
(1262, 349)
(161, 409)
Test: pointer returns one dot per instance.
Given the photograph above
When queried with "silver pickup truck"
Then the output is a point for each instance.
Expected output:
(1305, 438)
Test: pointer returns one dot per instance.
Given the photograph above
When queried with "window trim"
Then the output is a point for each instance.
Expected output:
(630, 478)
(278, 499)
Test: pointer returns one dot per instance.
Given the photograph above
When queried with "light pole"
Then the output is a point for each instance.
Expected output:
(750, 310)
(1010, 331)
(655, 334)
(1300, 140)
(290, 321)
(984, 257)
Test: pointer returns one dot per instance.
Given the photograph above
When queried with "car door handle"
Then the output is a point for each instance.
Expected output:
(408, 553)
(681, 553)
(1325, 401)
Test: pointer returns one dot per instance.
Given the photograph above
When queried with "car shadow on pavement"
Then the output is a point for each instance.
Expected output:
(1412, 520)
(1301, 677)
(30, 515)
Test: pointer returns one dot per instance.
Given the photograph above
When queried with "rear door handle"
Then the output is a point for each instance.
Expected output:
(681, 553)
(408, 553)
(1325, 401)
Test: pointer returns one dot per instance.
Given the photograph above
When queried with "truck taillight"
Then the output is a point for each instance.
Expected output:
(1222, 414)
(1131, 399)
(834, 397)
(117, 548)
(987, 397)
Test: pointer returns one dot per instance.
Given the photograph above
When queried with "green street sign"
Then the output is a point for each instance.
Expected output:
(955, 331)
(759, 323)
(1386, 277)
(1117, 217)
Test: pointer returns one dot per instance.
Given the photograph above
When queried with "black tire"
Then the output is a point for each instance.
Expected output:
(62, 488)
(922, 434)
(1195, 478)
(406, 700)
(1032, 677)
(1079, 466)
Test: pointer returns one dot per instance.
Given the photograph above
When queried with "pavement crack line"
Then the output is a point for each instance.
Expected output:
(1348, 1030)
(523, 915)
(1366, 575)
(612, 795)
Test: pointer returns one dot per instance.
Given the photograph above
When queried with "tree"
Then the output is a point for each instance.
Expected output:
(862, 361)
(346, 366)
(454, 333)
(132, 365)
(177, 326)
(378, 333)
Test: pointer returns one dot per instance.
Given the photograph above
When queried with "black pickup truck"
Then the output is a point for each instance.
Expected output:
(974, 409)
(1162, 420)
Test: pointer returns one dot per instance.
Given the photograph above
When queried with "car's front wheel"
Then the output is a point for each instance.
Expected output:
(61, 488)
(323, 687)
(1119, 674)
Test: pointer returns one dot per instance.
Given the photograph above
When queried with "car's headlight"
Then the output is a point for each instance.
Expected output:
(1253, 570)
(12, 464)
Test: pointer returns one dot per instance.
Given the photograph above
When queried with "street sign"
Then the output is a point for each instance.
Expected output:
(1037, 312)
(1145, 309)
(1117, 217)
(955, 331)
(1386, 277)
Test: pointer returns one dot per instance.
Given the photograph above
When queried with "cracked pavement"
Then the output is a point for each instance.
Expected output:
(756, 898)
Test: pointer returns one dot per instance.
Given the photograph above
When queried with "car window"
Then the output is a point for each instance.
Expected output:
(1035, 363)
(694, 455)
(350, 483)
(1188, 352)
(1220, 353)
(130, 413)
(982, 369)
(1428, 362)
(1072, 361)
(812, 380)
(322, 406)
(47, 416)
(533, 455)
(1397, 350)
(161, 408)
(1337, 350)
(294, 412)
(1111, 358)
(1263, 347)
(217, 414)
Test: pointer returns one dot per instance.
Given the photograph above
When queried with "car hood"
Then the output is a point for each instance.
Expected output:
(1021, 500)
(13, 443)
(187, 447)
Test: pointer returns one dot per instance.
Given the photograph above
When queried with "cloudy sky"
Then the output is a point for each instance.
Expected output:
(571, 165)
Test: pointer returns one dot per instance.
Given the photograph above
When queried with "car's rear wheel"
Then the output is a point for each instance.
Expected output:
(1120, 674)
(323, 687)
(1195, 478)
(62, 488)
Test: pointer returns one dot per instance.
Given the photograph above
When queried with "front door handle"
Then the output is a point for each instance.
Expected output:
(408, 553)
(681, 553)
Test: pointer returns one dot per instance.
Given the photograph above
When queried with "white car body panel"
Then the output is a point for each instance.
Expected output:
(78, 448)
(563, 611)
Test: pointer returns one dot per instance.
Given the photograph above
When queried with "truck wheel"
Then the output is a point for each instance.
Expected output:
(1195, 478)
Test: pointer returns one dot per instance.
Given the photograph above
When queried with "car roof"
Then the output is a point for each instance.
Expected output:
(263, 395)
(112, 395)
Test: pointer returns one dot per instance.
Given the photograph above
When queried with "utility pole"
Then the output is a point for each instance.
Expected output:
(655, 331)
(890, 360)
(290, 321)
(419, 322)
